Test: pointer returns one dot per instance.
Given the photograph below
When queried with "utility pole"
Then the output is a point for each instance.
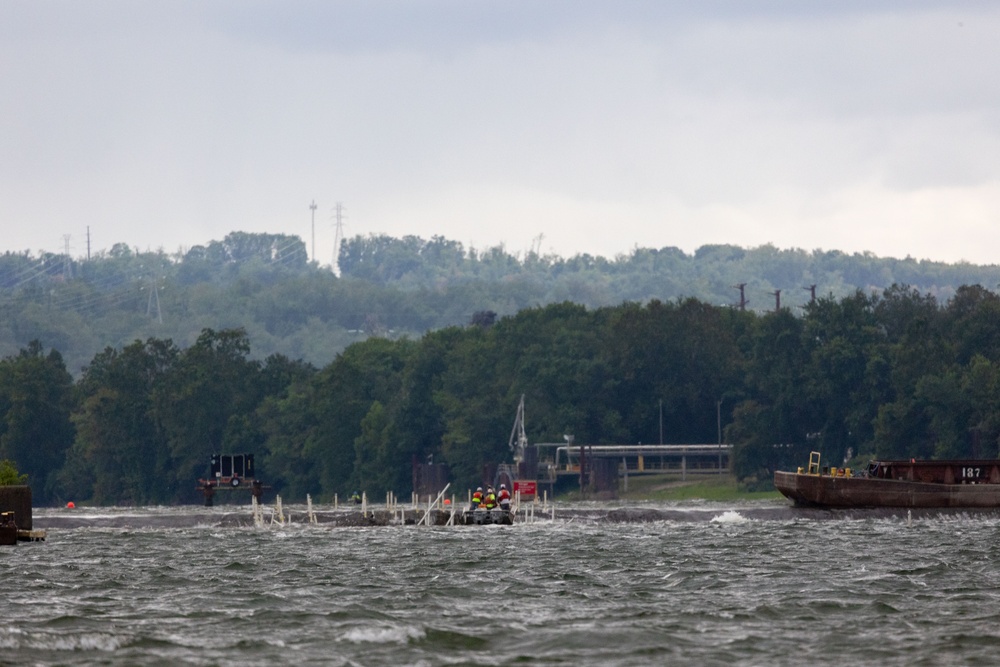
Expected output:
(812, 293)
(88, 243)
(777, 300)
(338, 236)
(312, 206)
(743, 300)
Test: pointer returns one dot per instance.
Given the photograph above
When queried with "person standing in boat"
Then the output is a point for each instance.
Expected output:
(477, 498)
(490, 499)
(503, 498)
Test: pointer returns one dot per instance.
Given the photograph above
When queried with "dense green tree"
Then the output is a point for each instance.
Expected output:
(894, 374)
(972, 323)
(843, 337)
(289, 424)
(376, 463)
(421, 423)
(203, 401)
(340, 396)
(471, 401)
(9, 476)
(35, 403)
(684, 354)
(778, 422)
(120, 449)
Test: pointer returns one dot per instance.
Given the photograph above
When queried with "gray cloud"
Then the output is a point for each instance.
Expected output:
(600, 125)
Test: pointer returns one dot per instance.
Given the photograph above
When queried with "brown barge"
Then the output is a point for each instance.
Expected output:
(926, 484)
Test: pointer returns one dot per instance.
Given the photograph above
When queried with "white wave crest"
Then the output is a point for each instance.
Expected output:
(383, 635)
(730, 516)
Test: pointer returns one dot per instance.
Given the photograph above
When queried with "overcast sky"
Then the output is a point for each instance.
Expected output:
(600, 125)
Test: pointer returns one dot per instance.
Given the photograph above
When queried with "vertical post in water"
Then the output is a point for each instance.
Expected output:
(718, 422)
(661, 421)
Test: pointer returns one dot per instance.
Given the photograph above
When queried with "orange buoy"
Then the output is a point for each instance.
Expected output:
(70, 504)
(447, 501)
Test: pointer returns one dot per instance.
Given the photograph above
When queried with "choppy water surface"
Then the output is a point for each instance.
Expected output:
(724, 589)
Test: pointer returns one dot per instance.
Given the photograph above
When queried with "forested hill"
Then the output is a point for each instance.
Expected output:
(392, 288)
(896, 376)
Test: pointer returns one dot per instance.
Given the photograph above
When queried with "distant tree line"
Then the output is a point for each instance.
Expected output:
(395, 288)
(898, 374)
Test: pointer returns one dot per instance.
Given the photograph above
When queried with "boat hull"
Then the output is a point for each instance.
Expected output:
(813, 490)
(485, 517)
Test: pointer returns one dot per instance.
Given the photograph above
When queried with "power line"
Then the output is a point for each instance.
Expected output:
(41, 266)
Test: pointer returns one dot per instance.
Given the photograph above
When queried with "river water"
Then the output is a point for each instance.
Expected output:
(758, 584)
